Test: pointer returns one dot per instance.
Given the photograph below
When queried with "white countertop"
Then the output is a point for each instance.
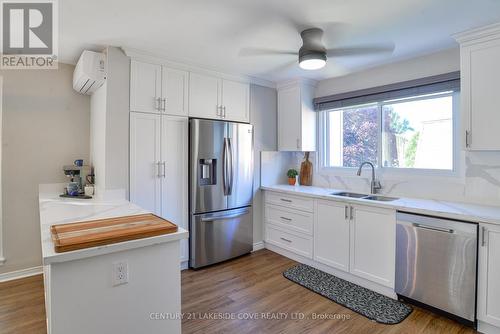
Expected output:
(453, 210)
(56, 210)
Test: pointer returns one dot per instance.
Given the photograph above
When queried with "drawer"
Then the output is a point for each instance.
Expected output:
(286, 218)
(290, 201)
(301, 245)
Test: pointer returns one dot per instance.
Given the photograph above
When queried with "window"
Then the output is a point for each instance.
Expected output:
(410, 133)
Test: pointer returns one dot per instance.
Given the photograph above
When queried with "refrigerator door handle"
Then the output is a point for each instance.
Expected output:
(230, 162)
(227, 216)
(224, 168)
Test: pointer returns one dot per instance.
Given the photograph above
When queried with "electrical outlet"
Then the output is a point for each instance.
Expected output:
(120, 273)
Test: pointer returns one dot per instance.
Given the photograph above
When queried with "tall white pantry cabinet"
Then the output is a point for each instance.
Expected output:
(159, 143)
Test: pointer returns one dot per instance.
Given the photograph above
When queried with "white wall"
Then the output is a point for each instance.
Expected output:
(117, 120)
(45, 126)
(478, 179)
(433, 64)
(263, 116)
(110, 125)
(98, 136)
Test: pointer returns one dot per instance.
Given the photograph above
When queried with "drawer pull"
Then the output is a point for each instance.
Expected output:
(286, 200)
(286, 240)
(287, 219)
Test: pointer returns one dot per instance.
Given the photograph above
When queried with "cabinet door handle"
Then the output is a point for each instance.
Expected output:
(298, 143)
(164, 104)
(287, 219)
(467, 138)
(483, 236)
(285, 200)
(157, 103)
(217, 110)
(351, 212)
(287, 240)
(158, 164)
(164, 169)
(223, 111)
(346, 212)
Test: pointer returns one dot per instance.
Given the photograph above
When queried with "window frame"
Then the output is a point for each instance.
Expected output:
(322, 155)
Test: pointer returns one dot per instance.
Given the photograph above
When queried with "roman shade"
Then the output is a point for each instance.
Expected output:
(429, 85)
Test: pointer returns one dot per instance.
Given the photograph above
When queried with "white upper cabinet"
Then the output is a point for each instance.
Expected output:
(216, 98)
(488, 300)
(158, 89)
(373, 244)
(296, 117)
(480, 70)
(204, 96)
(175, 85)
(289, 114)
(163, 90)
(145, 87)
(235, 100)
(331, 234)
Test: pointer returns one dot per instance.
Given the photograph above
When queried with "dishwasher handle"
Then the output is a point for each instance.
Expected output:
(433, 228)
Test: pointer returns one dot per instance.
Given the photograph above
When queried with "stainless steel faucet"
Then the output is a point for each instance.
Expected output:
(375, 184)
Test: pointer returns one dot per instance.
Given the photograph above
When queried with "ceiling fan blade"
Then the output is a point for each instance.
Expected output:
(285, 67)
(360, 50)
(245, 52)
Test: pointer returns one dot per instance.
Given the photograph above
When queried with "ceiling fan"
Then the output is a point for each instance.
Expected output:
(313, 54)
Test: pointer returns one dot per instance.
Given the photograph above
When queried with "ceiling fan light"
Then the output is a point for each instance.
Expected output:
(312, 61)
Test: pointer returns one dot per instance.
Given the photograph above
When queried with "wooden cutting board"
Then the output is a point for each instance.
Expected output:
(69, 237)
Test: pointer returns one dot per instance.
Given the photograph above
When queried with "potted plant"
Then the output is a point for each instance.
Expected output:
(292, 176)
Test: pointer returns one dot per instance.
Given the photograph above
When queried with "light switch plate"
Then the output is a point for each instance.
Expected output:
(120, 273)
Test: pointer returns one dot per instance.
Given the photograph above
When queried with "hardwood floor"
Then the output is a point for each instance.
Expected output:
(246, 286)
(255, 284)
(22, 308)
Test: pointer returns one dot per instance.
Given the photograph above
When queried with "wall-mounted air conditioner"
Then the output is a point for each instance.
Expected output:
(90, 72)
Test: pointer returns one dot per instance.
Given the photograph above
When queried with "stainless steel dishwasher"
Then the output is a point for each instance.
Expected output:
(436, 264)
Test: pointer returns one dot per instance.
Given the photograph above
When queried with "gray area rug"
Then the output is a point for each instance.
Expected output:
(368, 303)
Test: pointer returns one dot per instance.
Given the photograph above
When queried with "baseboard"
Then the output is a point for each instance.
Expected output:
(184, 265)
(483, 327)
(21, 274)
(386, 291)
(2, 260)
(258, 246)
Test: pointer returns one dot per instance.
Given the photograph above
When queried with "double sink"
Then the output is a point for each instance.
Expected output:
(364, 196)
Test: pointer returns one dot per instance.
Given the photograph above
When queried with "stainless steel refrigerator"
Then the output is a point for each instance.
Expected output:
(221, 190)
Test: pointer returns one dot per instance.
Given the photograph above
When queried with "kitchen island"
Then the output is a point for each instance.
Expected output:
(82, 293)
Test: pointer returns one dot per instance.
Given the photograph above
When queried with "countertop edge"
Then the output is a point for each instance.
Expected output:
(396, 205)
(116, 247)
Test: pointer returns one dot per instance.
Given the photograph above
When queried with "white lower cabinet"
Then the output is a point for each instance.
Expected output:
(158, 167)
(294, 242)
(331, 234)
(359, 240)
(488, 305)
(294, 220)
(373, 244)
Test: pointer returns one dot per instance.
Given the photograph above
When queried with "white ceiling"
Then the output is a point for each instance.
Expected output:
(211, 33)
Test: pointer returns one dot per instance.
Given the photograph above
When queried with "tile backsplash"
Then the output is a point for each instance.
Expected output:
(478, 179)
